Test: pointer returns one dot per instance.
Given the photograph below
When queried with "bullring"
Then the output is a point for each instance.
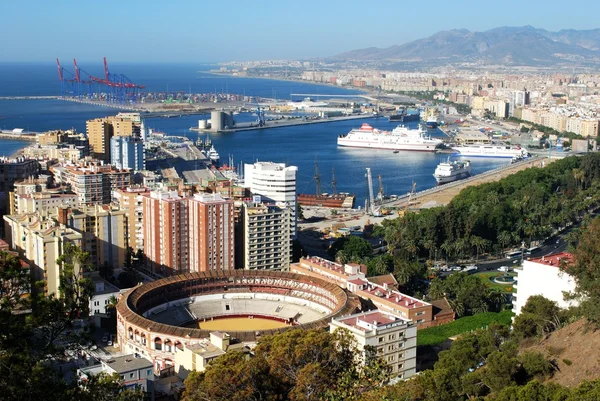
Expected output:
(154, 320)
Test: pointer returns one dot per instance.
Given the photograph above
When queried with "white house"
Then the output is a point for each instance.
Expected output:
(543, 276)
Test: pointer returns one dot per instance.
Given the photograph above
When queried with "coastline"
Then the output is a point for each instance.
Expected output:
(300, 81)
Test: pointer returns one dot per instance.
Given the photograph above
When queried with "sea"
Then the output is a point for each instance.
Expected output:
(306, 146)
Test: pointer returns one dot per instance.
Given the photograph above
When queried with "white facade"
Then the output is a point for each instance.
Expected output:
(393, 338)
(275, 182)
(542, 276)
(127, 152)
(39, 202)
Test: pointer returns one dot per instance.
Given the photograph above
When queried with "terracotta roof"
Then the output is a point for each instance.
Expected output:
(554, 259)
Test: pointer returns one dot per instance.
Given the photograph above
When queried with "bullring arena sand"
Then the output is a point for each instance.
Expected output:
(240, 324)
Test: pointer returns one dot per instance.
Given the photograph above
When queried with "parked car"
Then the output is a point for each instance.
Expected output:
(504, 269)
(104, 338)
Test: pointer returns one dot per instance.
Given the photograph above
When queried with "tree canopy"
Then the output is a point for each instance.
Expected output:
(35, 331)
(295, 365)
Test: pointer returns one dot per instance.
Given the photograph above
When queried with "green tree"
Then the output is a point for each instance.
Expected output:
(586, 271)
(538, 316)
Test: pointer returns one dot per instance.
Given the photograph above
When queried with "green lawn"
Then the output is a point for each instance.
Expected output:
(439, 334)
(487, 278)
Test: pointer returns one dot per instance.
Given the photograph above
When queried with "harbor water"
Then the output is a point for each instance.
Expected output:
(297, 145)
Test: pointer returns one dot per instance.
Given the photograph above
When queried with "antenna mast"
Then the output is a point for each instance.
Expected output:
(317, 178)
(333, 182)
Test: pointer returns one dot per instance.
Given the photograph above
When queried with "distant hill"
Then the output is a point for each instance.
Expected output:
(506, 45)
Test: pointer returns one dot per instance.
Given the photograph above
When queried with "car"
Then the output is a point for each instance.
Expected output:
(109, 342)
(456, 268)
(104, 338)
(504, 269)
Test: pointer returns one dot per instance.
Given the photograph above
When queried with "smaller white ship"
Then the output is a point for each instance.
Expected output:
(491, 150)
(213, 155)
(449, 171)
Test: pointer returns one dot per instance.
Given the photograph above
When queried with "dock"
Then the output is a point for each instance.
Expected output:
(443, 194)
(289, 123)
(29, 136)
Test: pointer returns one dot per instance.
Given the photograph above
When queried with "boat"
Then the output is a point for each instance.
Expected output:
(401, 138)
(396, 151)
(491, 150)
(343, 201)
(405, 117)
(213, 155)
(449, 171)
(432, 122)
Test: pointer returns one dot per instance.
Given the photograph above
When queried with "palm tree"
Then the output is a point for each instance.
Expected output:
(429, 245)
(342, 257)
(479, 244)
(457, 307)
(504, 239)
(447, 247)
(496, 298)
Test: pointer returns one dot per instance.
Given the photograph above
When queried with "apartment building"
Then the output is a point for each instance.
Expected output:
(127, 152)
(17, 169)
(40, 241)
(392, 338)
(62, 153)
(379, 291)
(92, 182)
(103, 228)
(275, 182)
(130, 200)
(41, 201)
(266, 242)
(543, 276)
(166, 237)
(101, 130)
(211, 233)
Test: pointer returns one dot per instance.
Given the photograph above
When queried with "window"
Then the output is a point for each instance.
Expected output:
(390, 358)
(131, 375)
(420, 313)
(400, 366)
(392, 337)
(420, 321)
(122, 377)
(391, 347)
(401, 355)
(381, 339)
(96, 303)
(149, 372)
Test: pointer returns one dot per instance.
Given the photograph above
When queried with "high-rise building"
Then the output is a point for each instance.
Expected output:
(211, 233)
(274, 182)
(92, 182)
(103, 228)
(130, 199)
(127, 152)
(165, 231)
(266, 242)
(101, 130)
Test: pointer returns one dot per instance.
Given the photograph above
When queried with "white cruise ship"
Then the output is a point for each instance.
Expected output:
(452, 171)
(401, 138)
(491, 150)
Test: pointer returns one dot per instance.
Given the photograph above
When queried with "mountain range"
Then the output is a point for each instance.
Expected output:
(505, 45)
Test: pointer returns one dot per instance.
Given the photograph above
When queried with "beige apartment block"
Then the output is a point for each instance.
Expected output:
(130, 200)
(40, 241)
(392, 338)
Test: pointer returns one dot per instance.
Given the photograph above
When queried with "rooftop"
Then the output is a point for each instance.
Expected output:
(371, 320)
(127, 363)
(554, 259)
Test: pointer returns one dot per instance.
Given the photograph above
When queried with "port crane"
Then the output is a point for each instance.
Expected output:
(114, 88)
(373, 209)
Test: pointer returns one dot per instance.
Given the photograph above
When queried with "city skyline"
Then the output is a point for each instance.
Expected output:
(190, 32)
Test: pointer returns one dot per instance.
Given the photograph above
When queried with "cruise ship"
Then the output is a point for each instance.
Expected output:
(491, 150)
(449, 171)
(401, 138)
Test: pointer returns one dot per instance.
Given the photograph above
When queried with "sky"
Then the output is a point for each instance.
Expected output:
(208, 31)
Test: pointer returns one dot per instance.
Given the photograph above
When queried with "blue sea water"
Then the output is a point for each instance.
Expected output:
(299, 145)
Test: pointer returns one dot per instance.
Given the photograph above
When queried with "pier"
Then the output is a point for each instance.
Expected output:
(288, 123)
(443, 194)
(29, 136)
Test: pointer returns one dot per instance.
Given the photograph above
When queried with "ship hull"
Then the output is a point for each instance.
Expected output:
(406, 148)
(446, 179)
(431, 125)
(405, 117)
(333, 201)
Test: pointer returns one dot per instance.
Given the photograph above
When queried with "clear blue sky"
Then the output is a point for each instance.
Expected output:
(217, 30)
